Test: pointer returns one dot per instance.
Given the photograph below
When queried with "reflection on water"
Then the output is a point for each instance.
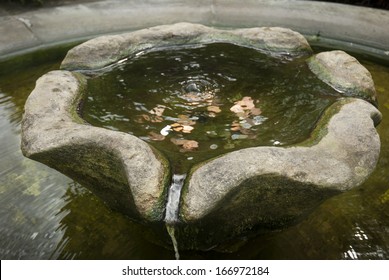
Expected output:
(44, 215)
(91, 230)
(193, 104)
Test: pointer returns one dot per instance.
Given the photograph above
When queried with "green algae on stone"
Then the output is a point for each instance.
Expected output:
(384, 198)
(260, 187)
(264, 203)
(339, 161)
(344, 73)
(120, 168)
(321, 128)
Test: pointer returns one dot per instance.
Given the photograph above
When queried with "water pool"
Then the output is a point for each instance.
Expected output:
(45, 215)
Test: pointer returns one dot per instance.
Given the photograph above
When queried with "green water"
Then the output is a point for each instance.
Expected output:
(231, 97)
(45, 215)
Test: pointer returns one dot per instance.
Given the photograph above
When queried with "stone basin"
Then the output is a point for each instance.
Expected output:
(265, 188)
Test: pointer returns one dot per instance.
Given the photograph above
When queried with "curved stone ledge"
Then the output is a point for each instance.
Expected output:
(120, 168)
(105, 50)
(344, 73)
(274, 187)
(343, 158)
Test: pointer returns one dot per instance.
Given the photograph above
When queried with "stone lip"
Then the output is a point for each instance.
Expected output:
(344, 73)
(103, 51)
(123, 170)
(343, 158)
(270, 188)
(264, 187)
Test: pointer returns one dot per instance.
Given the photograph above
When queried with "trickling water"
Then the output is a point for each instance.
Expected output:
(171, 230)
(171, 216)
(172, 207)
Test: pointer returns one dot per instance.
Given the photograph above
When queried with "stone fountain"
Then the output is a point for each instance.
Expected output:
(263, 188)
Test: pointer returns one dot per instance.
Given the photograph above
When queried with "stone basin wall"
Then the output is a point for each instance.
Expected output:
(265, 188)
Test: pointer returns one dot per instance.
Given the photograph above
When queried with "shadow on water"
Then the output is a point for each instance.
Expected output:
(92, 231)
(44, 215)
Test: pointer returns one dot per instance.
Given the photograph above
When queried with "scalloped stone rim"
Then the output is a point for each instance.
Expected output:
(105, 50)
(269, 187)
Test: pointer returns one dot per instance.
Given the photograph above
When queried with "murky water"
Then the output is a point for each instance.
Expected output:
(44, 215)
(196, 103)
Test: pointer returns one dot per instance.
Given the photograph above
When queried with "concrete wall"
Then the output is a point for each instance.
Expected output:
(360, 27)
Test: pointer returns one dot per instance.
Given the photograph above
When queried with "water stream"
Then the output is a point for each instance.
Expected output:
(172, 208)
(171, 230)
(173, 202)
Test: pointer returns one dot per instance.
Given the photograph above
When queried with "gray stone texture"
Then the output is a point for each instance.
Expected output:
(105, 50)
(14, 35)
(123, 170)
(341, 159)
(344, 73)
(271, 188)
(266, 188)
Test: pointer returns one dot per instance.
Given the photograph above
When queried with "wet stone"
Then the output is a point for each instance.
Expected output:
(224, 110)
(343, 72)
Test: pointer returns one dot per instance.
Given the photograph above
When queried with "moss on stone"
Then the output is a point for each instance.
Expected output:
(74, 106)
(263, 203)
(321, 128)
(157, 212)
(344, 73)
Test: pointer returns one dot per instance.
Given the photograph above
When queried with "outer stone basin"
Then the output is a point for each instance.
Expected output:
(265, 188)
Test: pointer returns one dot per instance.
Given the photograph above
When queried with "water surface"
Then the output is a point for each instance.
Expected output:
(194, 103)
(45, 215)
